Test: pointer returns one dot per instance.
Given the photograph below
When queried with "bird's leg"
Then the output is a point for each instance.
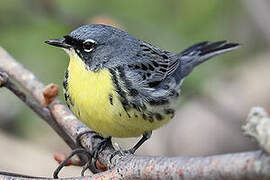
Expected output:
(144, 138)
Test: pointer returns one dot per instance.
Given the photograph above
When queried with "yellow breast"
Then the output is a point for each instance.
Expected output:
(96, 103)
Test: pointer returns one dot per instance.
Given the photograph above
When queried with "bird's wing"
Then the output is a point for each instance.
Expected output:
(152, 65)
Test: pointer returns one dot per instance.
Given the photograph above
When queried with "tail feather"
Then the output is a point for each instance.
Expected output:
(219, 46)
(199, 53)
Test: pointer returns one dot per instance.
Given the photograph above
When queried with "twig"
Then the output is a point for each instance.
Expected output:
(246, 165)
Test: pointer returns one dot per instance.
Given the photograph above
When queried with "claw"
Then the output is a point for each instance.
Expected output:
(98, 148)
(91, 154)
(63, 163)
(86, 167)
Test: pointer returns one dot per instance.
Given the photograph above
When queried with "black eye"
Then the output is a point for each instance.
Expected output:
(88, 45)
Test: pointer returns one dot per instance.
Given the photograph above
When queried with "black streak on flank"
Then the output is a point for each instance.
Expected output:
(65, 84)
(169, 111)
(111, 99)
(144, 116)
(127, 83)
(68, 99)
(126, 112)
(143, 107)
(66, 96)
(136, 107)
(65, 79)
(151, 119)
(158, 116)
(120, 92)
(71, 101)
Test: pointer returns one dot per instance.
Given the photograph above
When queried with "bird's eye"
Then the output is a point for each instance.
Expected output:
(88, 45)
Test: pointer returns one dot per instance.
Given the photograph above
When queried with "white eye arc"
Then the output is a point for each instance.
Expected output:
(88, 45)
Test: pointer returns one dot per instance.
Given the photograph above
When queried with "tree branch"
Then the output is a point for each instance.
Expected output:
(246, 165)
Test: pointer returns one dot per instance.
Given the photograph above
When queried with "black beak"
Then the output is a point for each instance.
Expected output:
(58, 43)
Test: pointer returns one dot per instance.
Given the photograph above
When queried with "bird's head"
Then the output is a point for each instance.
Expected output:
(97, 45)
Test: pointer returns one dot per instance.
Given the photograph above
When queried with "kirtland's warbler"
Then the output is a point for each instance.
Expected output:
(120, 86)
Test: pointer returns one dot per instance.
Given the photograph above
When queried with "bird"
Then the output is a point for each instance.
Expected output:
(120, 86)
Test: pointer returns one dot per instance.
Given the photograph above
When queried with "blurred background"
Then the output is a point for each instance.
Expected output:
(216, 97)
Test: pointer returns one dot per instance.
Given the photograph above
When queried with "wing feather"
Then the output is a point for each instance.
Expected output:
(153, 65)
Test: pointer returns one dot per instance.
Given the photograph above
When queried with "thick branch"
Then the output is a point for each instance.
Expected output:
(238, 166)
(247, 165)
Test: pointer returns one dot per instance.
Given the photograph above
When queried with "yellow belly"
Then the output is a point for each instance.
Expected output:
(96, 103)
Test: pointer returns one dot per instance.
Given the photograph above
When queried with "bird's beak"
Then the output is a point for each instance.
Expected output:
(58, 43)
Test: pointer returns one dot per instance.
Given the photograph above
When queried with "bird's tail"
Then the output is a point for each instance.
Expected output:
(199, 53)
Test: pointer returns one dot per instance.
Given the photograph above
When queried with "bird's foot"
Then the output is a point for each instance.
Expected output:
(120, 151)
(144, 138)
(65, 161)
(95, 149)
(90, 154)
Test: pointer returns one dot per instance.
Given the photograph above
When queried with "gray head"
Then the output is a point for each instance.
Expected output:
(98, 45)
